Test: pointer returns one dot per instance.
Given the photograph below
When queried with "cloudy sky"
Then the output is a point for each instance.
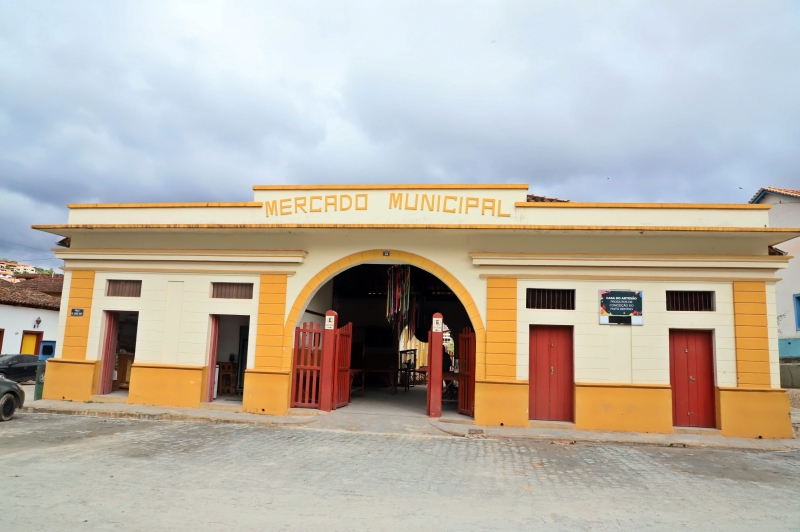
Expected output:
(197, 101)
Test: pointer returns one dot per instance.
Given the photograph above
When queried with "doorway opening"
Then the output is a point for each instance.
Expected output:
(390, 310)
(227, 359)
(119, 352)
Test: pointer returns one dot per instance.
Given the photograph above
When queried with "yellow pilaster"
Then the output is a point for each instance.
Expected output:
(72, 377)
(499, 398)
(266, 387)
(752, 335)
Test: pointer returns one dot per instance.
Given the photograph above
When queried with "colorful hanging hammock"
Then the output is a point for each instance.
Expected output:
(398, 297)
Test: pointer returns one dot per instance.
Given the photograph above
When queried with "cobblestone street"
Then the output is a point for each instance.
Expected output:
(76, 473)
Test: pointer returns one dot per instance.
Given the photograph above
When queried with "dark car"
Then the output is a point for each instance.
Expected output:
(19, 368)
(11, 398)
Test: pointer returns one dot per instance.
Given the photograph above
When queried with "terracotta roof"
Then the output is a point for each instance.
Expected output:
(774, 190)
(41, 282)
(14, 295)
(534, 198)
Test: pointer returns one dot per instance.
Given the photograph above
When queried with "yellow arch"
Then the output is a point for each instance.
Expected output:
(397, 257)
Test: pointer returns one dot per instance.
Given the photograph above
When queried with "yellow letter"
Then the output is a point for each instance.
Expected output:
(425, 200)
(330, 201)
(499, 207)
(365, 198)
(300, 204)
(272, 207)
(408, 203)
(460, 204)
(311, 204)
(286, 206)
(349, 202)
(446, 199)
(395, 200)
(438, 202)
(487, 204)
(471, 202)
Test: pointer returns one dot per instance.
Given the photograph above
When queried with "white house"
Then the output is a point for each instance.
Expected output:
(785, 212)
(28, 319)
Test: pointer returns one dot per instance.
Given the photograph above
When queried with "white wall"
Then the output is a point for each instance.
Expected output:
(14, 320)
(174, 315)
(320, 303)
(785, 212)
(629, 354)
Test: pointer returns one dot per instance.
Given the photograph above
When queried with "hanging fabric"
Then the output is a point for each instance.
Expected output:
(398, 297)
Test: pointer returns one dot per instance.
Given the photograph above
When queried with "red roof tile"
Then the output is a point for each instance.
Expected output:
(14, 295)
(41, 282)
(535, 198)
(782, 191)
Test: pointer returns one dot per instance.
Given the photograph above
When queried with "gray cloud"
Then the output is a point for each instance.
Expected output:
(155, 101)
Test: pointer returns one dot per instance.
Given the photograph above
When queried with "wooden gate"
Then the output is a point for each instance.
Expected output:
(109, 353)
(341, 387)
(550, 377)
(466, 372)
(307, 366)
(691, 364)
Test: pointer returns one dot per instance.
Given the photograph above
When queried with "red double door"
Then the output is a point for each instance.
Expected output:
(551, 373)
(313, 387)
(691, 364)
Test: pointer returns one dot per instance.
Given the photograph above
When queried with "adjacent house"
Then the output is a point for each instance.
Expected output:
(28, 319)
(785, 212)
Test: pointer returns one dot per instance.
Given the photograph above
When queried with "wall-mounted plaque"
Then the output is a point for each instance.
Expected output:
(621, 307)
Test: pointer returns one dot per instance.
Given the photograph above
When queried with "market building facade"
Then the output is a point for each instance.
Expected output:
(605, 316)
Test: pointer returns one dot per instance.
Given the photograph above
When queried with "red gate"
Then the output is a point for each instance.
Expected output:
(466, 372)
(341, 387)
(307, 366)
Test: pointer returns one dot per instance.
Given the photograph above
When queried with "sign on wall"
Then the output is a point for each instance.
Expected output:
(621, 307)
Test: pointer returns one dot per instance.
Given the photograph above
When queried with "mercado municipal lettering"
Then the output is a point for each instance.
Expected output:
(477, 302)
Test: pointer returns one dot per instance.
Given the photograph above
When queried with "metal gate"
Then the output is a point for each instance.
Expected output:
(466, 372)
(307, 366)
(341, 390)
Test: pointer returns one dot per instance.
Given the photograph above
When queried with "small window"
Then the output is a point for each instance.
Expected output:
(688, 301)
(796, 313)
(545, 298)
(126, 288)
(232, 290)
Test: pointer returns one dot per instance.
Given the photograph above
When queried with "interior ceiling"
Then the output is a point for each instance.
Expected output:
(368, 281)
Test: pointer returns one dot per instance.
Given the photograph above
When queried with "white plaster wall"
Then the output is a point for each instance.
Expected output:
(629, 354)
(14, 320)
(785, 212)
(772, 328)
(321, 303)
(163, 336)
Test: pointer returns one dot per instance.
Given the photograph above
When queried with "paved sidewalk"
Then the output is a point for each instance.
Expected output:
(375, 417)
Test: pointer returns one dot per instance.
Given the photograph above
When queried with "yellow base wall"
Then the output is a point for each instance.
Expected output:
(266, 393)
(503, 404)
(623, 408)
(748, 413)
(178, 386)
(69, 380)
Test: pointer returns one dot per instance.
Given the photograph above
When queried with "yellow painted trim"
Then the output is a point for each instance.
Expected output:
(268, 371)
(156, 365)
(627, 257)
(501, 186)
(396, 256)
(133, 269)
(615, 385)
(163, 205)
(66, 361)
(494, 227)
(714, 279)
(172, 252)
(596, 205)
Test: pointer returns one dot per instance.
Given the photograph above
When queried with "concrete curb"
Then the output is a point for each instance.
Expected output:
(566, 436)
(171, 414)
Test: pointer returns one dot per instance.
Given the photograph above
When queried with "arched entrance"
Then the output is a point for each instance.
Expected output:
(391, 329)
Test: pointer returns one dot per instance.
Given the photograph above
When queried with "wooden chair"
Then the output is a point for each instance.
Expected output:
(225, 377)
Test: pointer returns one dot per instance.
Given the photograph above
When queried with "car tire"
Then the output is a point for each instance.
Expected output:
(8, 404)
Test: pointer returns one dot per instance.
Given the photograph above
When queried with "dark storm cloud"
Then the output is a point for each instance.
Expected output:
(122, 101)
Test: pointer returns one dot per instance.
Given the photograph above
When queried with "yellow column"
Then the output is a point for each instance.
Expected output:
(266, 387)
(753, 409)
(72, 377)
(500, 399)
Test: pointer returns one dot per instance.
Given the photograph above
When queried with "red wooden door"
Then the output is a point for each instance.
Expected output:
(551, 377)
(307, 366)
(344, 342)
(466, 372)
(109, 359)
(691, 365)
(212, 358)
